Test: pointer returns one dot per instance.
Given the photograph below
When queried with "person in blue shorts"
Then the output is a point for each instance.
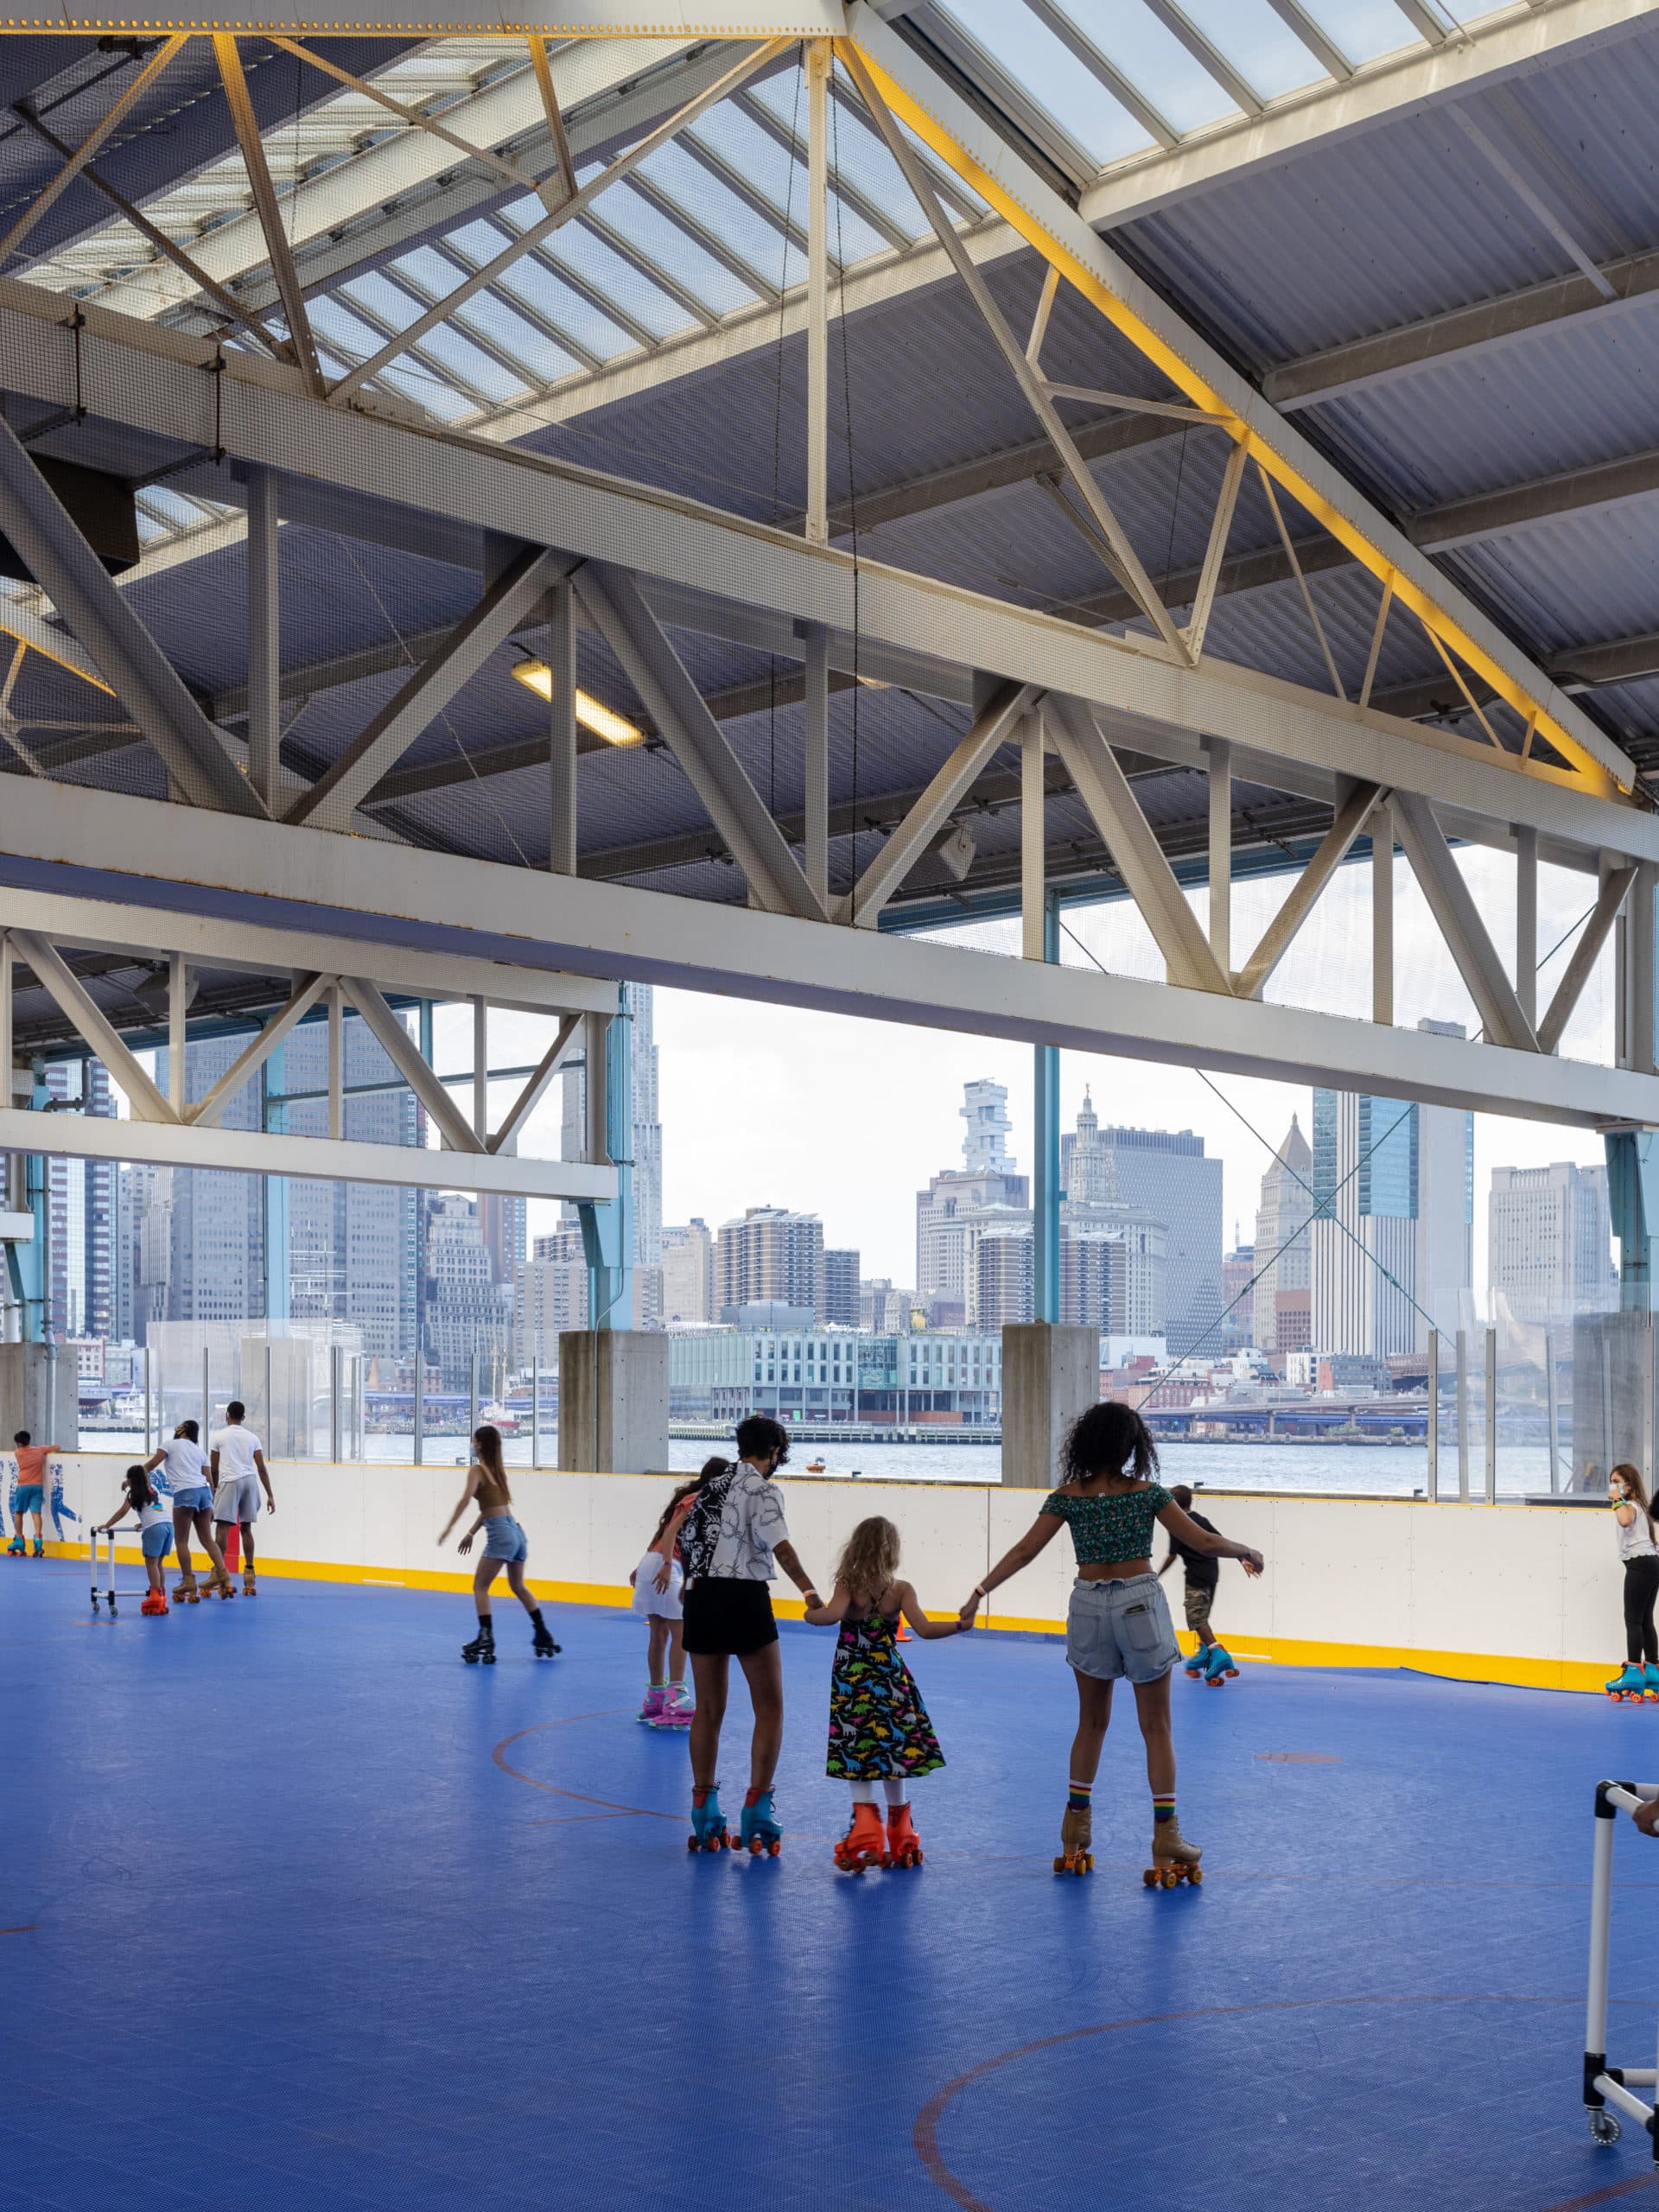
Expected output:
(504, 1545)
(155, 1533)
(29, 1494)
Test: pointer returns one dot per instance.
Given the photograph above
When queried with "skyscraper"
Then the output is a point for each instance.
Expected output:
(80, 1198)
(467, 1311)
(1549, 1241)
(1164, 1176)
(1283, 1248)
(770, 1257)
(1393, 1182)
(205, 1228)
(688, 1275)
(841, 1289)
(646, 1149)
(987, 1177)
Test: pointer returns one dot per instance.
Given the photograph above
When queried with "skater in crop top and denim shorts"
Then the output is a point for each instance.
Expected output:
(1117, 1625)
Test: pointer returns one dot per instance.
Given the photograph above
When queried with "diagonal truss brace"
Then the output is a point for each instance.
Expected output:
(992, 726)
(55, 975)
(266, 204)
(1458, 921)
(1139, 858)
(614, 604)
(121, 649)
(530, 1097)
(1351, 815)
(1615, 889)
(507, 602)
(77, 161)
(394, 1040)
(1125, 559)
(307, 991)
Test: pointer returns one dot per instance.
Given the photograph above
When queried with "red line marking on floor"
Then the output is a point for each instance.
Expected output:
(580, 1796)
(925, 2133)
(29, 1928)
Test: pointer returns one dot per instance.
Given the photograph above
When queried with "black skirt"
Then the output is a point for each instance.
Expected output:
(728, 1617)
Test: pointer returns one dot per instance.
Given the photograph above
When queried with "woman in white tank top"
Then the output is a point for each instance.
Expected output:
(1634, 1533)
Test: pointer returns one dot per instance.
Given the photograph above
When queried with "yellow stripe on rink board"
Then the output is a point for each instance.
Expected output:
(1500, 1668)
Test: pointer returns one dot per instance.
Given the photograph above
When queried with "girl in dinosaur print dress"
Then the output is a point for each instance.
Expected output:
(879, 1733)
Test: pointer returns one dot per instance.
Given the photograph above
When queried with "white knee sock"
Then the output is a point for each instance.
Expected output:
(897, 1791)
(863, 1792)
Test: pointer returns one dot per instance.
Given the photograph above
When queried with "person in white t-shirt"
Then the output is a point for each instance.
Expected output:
(239, 1470)
(186, 1480)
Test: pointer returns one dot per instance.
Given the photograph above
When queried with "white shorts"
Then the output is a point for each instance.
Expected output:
(237, 1498)
(648, 1599)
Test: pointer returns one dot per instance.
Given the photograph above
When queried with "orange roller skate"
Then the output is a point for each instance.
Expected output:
(1174, 1860)
(863, 1844)
(1076, 1840)
(904, 1845)
(155, 1602)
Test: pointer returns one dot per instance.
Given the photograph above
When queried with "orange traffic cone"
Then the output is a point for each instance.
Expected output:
(903, 1635)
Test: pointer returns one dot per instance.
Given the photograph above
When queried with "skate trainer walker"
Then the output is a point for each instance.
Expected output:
(1608, 2090)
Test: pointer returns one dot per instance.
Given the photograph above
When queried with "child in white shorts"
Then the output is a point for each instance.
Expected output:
(667, 1704)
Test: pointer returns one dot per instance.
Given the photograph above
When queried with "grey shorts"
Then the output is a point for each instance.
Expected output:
(1120, 1630)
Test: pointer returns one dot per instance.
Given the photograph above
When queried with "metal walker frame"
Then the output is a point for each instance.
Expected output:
(1606, 2086)
(99, 1590)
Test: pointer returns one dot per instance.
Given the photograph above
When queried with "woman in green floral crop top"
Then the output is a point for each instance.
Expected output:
(1118, 1624)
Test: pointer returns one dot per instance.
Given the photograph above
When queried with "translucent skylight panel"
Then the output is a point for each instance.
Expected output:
(1263, 49)
(387, 300)
(856, 152)
(532, 281)
(331, 319)
(648, 228)
(758, 159)
(674, 172)
(598, 264)
(427, 391)
(179, 514)
(1363, 28)
(1053, 75)
(1154, 62)
(545, 360)
(481, 370)
(435, 275)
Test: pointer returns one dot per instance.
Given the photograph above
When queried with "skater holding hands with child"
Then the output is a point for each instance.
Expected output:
(1118, 1626)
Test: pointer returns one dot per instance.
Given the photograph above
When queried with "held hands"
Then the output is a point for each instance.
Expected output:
(967, 1612)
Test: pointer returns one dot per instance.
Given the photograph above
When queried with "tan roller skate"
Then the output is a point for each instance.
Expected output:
(220, 1583)
(250, 1587)
(186, 1593)
(1076, 1840)
(1174, 1860)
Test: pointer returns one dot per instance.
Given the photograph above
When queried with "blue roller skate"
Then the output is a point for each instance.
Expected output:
(39, 1549)
(15, 1548)
(1650, 1676)
(1219, 1666)
(1631, 1687)
(759, 1831)
(1195, 1662)
(708, 1822)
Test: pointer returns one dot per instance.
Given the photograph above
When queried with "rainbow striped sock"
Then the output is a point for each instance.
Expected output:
(1081, 1793)
(1163, 1808)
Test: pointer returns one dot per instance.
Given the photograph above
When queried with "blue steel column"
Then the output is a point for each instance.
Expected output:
(26, 1263)
(1633, 1201)
(608, 1226)
(1045, 1192)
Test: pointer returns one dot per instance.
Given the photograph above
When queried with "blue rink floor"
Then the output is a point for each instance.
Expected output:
(302, 1911)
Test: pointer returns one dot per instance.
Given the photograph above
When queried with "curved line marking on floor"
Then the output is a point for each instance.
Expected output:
(579, 1796)
(925, 2133)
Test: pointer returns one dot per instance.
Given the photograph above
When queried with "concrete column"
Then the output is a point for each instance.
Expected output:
(614, 1400)
(1050, 1375)
(30, 1380)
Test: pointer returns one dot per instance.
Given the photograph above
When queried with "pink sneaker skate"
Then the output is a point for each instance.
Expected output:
(651, 1711)
(676, 1709)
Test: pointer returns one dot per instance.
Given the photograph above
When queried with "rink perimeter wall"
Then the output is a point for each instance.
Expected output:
(1506, 1593)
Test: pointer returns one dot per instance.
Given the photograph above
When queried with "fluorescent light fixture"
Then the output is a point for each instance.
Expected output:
(592, 714)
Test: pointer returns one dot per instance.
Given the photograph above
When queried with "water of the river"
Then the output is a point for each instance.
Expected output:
(1360, 1470)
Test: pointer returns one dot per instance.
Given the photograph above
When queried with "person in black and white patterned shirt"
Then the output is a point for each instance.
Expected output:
(731, 1530)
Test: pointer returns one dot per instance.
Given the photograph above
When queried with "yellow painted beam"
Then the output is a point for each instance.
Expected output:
(1189, 381)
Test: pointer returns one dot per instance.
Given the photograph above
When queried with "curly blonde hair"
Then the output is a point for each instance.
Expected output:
(870, 1558)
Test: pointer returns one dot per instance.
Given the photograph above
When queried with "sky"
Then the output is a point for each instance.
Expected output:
(848, 1118)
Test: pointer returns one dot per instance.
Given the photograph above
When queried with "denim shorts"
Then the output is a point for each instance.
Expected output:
(505, 1539)
(1120, 1630)
(156, 1542)
(196, 1498)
